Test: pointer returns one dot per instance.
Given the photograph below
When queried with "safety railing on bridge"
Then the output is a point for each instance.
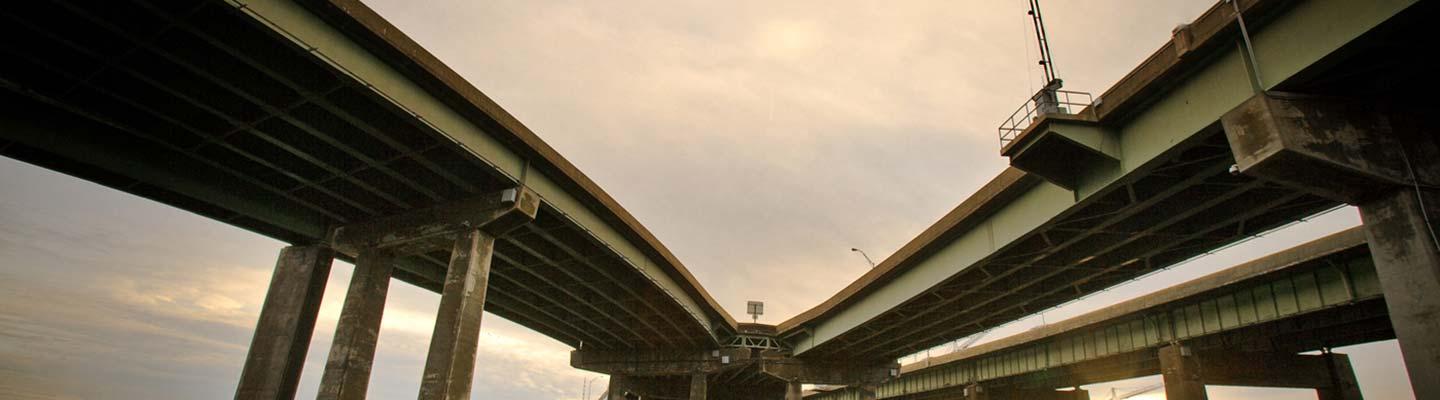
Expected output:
(1048, 101)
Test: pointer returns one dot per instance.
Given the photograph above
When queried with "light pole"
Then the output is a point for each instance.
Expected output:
(585, 395)
(867, 256)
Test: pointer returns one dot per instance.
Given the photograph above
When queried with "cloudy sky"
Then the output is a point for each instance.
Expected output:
(759, 140)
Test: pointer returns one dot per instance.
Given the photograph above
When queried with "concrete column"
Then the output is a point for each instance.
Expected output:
(792, 390)
(615, 390)
(698, 386)
(287, 320)
(1374, 155)
(1344, 386)
(1402, 244)
(451, 364)
(976, 392)
(1181, 371)
(347, 372)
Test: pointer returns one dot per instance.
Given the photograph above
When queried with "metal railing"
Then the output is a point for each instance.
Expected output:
(1047, 101)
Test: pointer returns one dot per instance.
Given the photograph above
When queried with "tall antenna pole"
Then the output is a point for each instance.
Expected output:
(1046, 63)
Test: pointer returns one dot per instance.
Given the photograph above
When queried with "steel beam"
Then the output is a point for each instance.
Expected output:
(621, 283)
(660, 362)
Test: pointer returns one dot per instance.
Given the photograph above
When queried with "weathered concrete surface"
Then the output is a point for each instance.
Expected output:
(1384, 159)
(1408, 263)
(436, 227)
(352, 353)
(287, 321)
(698, 386)
(1343, 149)
(1180, 370)
(451, 364)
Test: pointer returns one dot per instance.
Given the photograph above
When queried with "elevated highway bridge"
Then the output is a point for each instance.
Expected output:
(318, 123)
(1246, 325)
(1222, 134)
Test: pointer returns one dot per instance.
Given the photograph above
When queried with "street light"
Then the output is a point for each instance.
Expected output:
(867, 256)
(585, 395)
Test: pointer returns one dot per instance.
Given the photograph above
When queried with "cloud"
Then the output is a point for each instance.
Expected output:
(759, 140)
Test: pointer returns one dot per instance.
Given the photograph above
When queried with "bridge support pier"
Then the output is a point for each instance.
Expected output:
(698, 386)
(451, 363)
(976, 392)
(468, 227)
(1180, 370)
(617, 388)
(1381, 157)
(352, 353)
(1407, 260)
(287, 321)
(792, 390)
(1187, 373)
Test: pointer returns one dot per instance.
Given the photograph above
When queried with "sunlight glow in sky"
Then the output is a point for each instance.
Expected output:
(759, 140)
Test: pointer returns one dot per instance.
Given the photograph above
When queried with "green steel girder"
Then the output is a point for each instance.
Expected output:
(1182, 116)
(1330, 275)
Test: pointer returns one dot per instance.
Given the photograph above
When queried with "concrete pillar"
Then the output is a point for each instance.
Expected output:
(976, 392)
(287, 320)
(792, 390)
(615, 390)
(1181, 371)
(347, 371)
(698, 386)
(1402, 243)
(451, 364)
(1344, 386)
(1370, 154)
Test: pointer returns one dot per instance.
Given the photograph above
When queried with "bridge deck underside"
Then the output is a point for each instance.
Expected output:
(197, 105)
(1363, 322)
(1182, 206)
(1322, 294)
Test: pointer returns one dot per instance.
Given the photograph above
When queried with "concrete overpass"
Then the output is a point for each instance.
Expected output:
(319, 124)
(1221, 134)
(1245, 326)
